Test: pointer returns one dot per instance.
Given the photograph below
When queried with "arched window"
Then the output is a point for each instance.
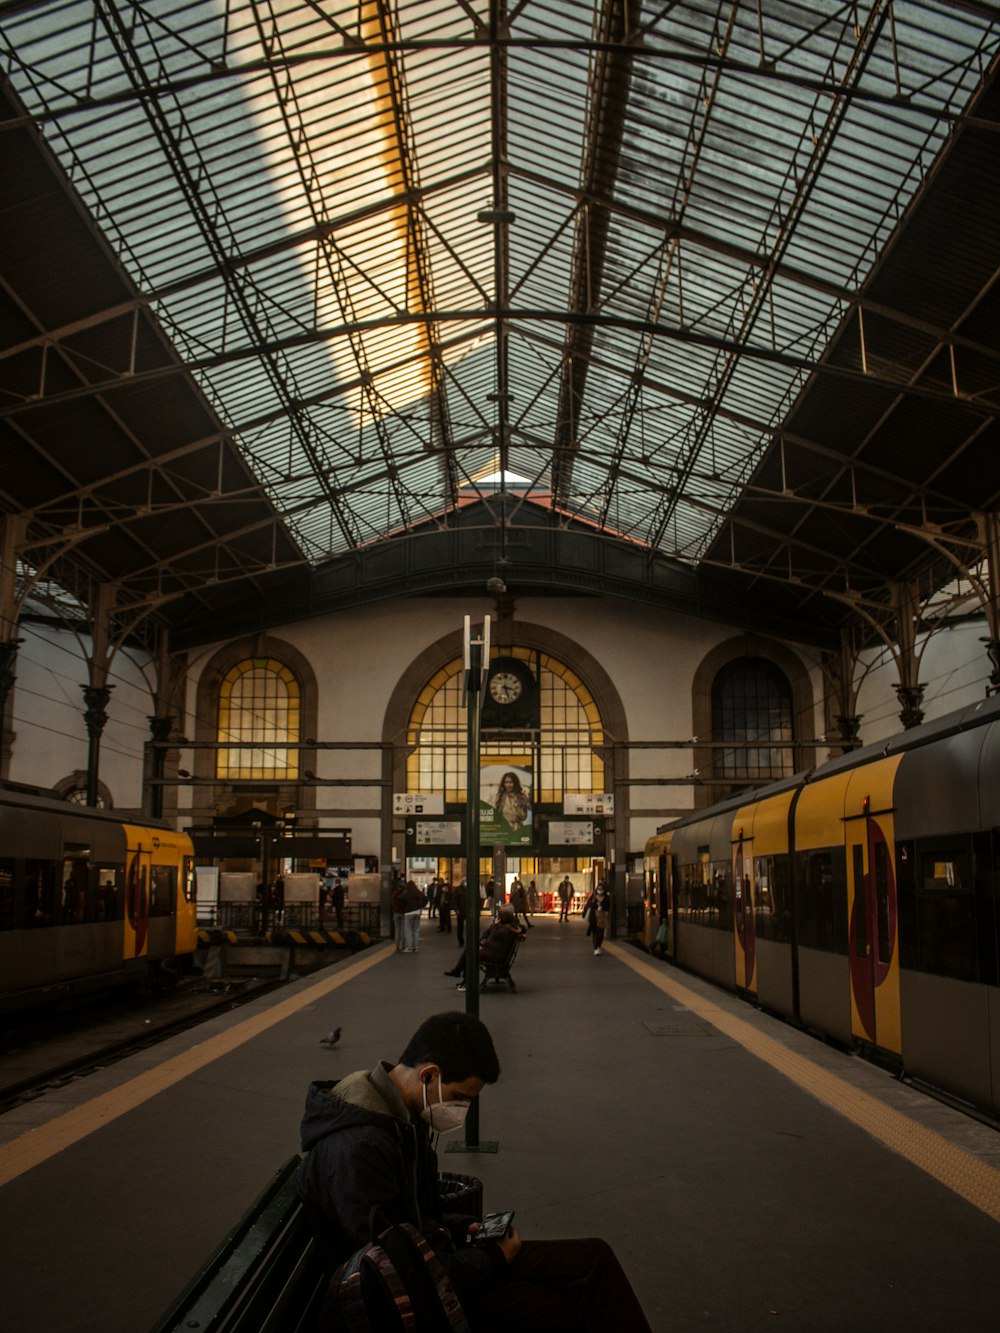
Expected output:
(259, 718)
(570, 727)
(752, 702)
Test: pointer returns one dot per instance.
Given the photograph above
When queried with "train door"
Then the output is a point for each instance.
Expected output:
(873, 938)
(745, 934)
(666, 904)
(137, 881)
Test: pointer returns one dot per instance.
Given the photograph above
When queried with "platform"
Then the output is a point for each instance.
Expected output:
(748, 1176)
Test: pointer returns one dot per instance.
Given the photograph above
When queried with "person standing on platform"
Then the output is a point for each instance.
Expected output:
(337, 901)
(413, 902)
(369, 1145)
(532, 898)
(458, 903)
(396, 903)
(444, 909)
(597, 914)
(565, 892)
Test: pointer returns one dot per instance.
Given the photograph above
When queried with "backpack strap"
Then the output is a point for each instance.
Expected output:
(433, 1295)
(346, 1297)
(383, 1284)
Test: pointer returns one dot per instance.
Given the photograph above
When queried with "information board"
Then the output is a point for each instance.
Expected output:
(571, 832)
(588, 803)
(417, 803)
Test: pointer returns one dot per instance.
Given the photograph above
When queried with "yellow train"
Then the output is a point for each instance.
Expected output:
(87, 898)
(861, 900)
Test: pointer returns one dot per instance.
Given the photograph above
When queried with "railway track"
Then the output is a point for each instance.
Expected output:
(45, 1059)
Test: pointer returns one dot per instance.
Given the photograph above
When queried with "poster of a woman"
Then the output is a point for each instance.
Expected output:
(505, 797)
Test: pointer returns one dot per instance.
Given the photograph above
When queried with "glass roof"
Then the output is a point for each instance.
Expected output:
(600, 247)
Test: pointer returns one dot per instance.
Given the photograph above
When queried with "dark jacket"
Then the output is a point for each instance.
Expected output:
(413, 899)
(497, 942)
(365, 1152)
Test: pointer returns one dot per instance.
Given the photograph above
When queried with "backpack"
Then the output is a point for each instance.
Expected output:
(395, 1283)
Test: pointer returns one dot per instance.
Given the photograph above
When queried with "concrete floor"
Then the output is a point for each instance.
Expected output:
(735, 1199)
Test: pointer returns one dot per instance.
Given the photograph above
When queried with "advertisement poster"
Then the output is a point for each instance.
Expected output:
(505, 800)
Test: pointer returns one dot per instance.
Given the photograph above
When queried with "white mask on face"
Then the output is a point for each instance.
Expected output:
(444, 1117)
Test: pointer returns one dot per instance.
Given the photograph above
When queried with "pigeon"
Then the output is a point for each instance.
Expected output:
(331, 1038)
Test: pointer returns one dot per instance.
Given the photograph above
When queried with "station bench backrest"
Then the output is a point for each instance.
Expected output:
(266, 1275)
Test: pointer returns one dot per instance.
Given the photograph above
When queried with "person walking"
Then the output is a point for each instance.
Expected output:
(519, 901)
(565, 892)
(597, 914)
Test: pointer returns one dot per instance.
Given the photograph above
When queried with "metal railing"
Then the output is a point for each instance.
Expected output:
(251, 919)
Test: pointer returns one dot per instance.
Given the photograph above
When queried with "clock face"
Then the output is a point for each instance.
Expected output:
(505, 687)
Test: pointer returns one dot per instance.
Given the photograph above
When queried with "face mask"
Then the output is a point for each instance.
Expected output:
(445, 1117)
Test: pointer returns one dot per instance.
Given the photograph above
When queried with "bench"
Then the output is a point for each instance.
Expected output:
(500, 971)
(267, 1275)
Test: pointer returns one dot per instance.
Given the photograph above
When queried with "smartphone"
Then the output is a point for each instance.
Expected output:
(495, 1226)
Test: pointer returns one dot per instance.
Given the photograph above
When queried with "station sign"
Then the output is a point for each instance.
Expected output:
(437, 833)
(588, 803)
(571, 832)
(417, 803)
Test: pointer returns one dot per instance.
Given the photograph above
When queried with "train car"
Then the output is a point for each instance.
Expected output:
(88, 899)
(860, 900)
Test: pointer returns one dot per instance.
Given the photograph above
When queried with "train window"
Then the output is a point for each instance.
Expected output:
(883, 941)
(108, 896)
(40, 897)
(821, 901)
(697, 896)
(946, 914)
(73, 907)
(190, 880)
(771, 898)
(162, 890)
(6, 893)
(720, 904)
(906, 901)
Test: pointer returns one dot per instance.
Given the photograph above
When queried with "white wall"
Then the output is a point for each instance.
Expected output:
(360, 655)
(954, 670)
(50, 735)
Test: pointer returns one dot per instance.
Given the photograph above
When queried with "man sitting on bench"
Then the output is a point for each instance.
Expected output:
(369, 1145)
(496, 945)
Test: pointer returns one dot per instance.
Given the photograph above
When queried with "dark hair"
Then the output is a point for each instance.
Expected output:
(458, 1044)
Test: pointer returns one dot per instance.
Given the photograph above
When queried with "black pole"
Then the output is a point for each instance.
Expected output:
(96, 697)
(473, 704)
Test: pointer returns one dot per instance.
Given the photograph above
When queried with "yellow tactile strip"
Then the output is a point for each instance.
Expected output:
(962, 1172)
(37, 1145)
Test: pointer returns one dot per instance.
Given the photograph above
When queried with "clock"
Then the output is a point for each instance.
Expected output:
(510, 698)
(505, 688)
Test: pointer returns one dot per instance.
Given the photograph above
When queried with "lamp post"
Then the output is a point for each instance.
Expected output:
(476, 657)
